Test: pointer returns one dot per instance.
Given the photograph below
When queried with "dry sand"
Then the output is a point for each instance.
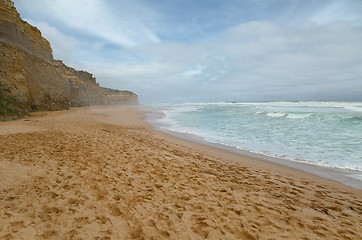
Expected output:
(103, 173)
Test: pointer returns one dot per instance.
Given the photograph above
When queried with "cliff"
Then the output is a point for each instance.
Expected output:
(31, 80)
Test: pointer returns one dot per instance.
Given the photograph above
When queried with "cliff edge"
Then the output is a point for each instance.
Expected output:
(31, 80)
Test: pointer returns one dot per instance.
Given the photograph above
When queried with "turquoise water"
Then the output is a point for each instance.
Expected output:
(321, 133)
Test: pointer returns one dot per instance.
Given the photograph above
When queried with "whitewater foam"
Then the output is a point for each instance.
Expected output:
(321, 133)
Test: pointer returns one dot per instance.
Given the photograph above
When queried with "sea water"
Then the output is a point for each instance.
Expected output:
(321, 133)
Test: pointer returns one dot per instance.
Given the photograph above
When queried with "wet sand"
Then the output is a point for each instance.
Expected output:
(104, 173)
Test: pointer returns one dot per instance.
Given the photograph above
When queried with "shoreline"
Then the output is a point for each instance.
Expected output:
(105, 172)
(348, 177)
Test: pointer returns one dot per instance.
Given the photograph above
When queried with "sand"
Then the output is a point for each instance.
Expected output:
(104, 173)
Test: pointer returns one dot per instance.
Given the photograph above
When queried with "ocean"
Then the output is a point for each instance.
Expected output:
(321, 133)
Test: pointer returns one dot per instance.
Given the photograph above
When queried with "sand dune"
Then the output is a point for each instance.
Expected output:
(102, 173)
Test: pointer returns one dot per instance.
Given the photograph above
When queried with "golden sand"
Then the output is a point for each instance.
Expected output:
(103, 173)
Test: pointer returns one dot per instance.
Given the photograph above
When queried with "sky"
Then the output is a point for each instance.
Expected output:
(209, 50)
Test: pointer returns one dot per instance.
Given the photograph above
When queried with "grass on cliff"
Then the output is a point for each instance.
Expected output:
(10, 106)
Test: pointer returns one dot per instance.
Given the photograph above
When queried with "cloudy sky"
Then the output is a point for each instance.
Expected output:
(209, 50)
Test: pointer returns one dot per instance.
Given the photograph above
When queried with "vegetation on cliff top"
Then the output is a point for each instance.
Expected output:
(10, 106)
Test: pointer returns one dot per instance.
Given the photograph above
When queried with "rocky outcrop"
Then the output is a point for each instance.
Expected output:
(20, 34)
(35, 81)
(117, 97)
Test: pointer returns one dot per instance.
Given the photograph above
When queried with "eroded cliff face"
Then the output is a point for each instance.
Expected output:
(20, 34)
(33, 80)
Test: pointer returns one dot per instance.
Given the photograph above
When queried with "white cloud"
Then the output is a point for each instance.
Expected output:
(348, 11)
(257, 61)
(122, 25)
(194, 70)
(313, 55)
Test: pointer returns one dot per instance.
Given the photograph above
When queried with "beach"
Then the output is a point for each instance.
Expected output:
(105, 173)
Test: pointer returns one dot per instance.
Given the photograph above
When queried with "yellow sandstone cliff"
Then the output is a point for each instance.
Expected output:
(31, 80)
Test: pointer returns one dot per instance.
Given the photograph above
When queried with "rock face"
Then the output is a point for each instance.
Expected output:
(16, 32)
(36, 81)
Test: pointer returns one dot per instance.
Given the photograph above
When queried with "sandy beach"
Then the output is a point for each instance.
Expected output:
(104, 173)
